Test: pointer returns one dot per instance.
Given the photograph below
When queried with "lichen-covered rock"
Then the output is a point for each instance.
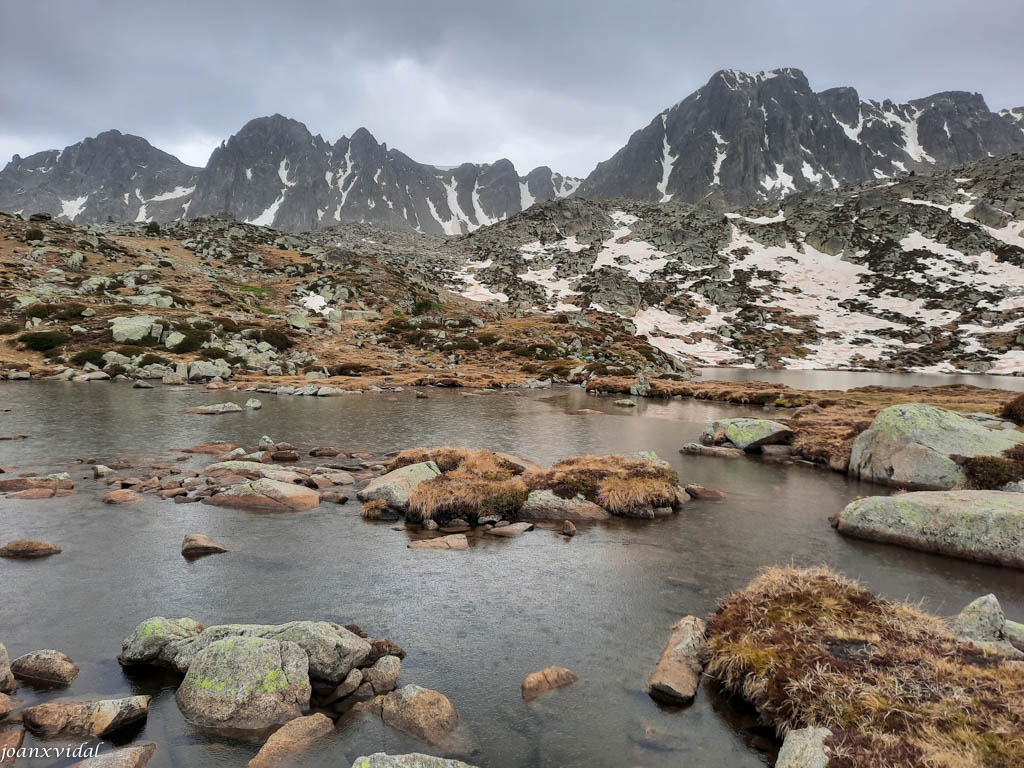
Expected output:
(293, 737)
(247, 683)
(85, 719)
(747, 434)
(268, 495)
(911, 445)
(983, 623)
(985, 526)
(47, 668)
(137, 756)
(421, 712)
(804, 748)
(149, 640)
(545, 505)
(395, 487)
(412, 760)
(676, 676)
(545, 680)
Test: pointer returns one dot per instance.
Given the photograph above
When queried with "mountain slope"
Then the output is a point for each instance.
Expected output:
(743, 138)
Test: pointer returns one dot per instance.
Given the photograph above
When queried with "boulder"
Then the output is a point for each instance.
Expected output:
(246, 683)
(383, 675)
(701, 493)
(249, 469)
(293, 737)
(253, 404)
(8, 683)
(198, 544)
(546, 680)
(132, 330)
(46, 668)
(747, 434)
(216, 409)
(85, 719)
(984, 526)
(137, 756)
(412, 760)
(714, 451)
(804, 748)
(149, 641)
(266, 494)
(420, 712)
(676, 676)
(455, 541)
(395, 487)
(983, 623)
(568, 529)
(545, 505)
(58, 481)
(508, 531)
(122, 496)
(911, 445)
(28, 549)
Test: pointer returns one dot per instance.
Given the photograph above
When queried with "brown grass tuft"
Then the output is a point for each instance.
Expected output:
(473, 483)
(373, 510)
(1014, 410)
(810, 648)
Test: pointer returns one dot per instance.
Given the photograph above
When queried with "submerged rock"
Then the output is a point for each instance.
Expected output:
(508, 531)
(85, 719)
(293, 737)
(47, 668)
(246, 683)
(984, 526)
(676, 676)
(395, 487)
(546, 680)
(455, 541)
(911, 445)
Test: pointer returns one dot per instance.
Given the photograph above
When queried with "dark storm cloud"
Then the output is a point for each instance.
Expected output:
(552, 82)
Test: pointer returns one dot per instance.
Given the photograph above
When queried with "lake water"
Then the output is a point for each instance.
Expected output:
(473, 623)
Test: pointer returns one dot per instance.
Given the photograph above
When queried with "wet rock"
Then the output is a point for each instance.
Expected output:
(216, 409)
(246, 683)
(292, 738)
(625, 403)
(47, 668)
(515, 529)
(265, 494)
(248, 469)
(198, 545)
(714, 451)
(8, 683)
(546, 680)
(383, 675)
(984, 526)
(455, 541)
(122, 496)
(568, 529)
(395, 487)
(10, 738)
(676, 676)
(412, 760)
(85, 719)
(545, 505)
(60, 480)
(804, 748)
(747, 434)
(7, 705)
(212, 449)
(137, 756)
(253, 404)
(39, 493)
(911, 445)
(420, 712)
(28, 549)
(701, 493)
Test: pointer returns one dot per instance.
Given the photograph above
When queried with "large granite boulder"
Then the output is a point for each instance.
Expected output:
(911, 445)
(395, 487)
(985, 526)
(246, 683)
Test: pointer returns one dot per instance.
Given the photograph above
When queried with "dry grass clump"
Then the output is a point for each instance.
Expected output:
(623, 485)
(1014, 410)
(810, 648)
(473, 483)
(373, 510)
(993, 472)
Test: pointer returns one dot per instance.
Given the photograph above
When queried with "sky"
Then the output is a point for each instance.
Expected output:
(542, 82)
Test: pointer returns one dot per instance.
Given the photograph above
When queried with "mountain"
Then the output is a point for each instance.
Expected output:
(743, 138)
(925, 273)
(273, 172)
(113, 175)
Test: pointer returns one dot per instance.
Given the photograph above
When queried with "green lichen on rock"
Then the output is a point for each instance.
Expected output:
(748, 434)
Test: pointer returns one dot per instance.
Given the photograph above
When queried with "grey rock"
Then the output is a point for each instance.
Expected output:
(395, 487)
(412, 760)
(804, 748)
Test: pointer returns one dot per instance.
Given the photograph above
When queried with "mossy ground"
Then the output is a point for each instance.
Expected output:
(808, 648)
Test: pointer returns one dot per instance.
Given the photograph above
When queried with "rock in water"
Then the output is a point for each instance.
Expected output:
(748, 434)
(911, 445)
(266, 494)
(545, 505)
(677, 674)
(984, 526)
(129, 757)
(395, 487)
(546, 680)
(28, 549)
(122, 496)
(8, 683)
(253, 404)
(421, 712)
(47, 668)
(383, 675)
(412, 760)
(804, 748)
(85, 719)
(293, 737)
(216, 410)
(247, 683)
(198, 545)
(454, 542)
(515, 529)
(151, 638)
(714, 451)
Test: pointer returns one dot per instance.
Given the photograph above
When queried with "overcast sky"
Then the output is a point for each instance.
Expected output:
(542, 82)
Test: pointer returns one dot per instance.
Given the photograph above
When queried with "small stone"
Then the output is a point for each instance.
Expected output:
(253, 404)
(455, 541)
(28, 549)
(198, 545)
(568, 529)
(122, 496)
(545, 680)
